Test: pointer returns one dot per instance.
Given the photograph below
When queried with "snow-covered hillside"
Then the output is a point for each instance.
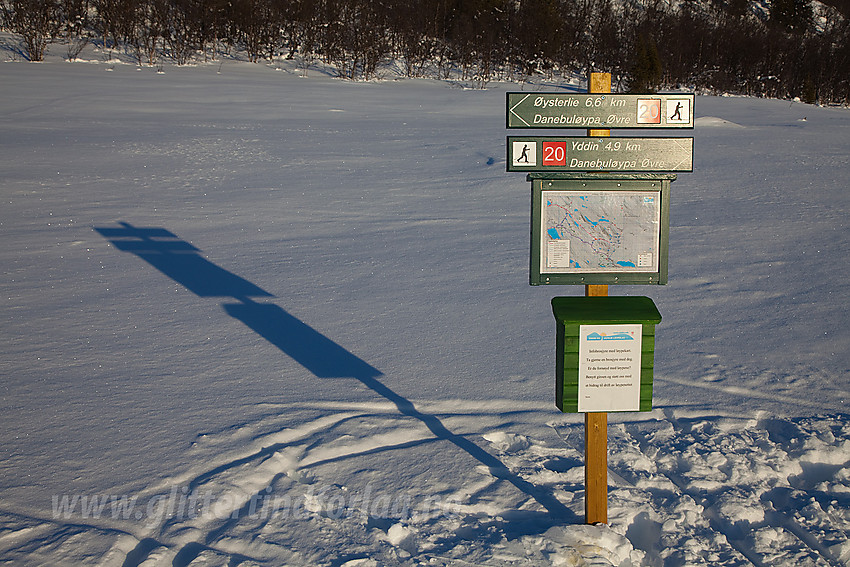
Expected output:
(251, 318)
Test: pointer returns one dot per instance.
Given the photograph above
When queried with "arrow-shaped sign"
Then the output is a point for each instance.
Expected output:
(561, 110)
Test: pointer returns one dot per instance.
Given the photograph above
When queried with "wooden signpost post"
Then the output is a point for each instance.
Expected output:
(584, 180)
(596, 423)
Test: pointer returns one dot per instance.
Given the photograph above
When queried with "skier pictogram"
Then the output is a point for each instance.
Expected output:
(677, 114)
(524, 155)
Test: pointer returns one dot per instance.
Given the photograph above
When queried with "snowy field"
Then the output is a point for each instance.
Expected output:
(253, 318)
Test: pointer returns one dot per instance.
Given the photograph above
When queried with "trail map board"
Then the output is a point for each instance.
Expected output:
(599, 231)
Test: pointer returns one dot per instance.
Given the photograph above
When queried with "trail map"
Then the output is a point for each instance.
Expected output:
(600, 231)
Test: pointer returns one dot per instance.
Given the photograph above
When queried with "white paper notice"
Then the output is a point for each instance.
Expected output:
(609, 368)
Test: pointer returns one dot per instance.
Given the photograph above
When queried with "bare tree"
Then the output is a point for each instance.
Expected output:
(255, 23)
(74, 26)
(36, 21)
(116, 20)
(357, 37)
(178, 20)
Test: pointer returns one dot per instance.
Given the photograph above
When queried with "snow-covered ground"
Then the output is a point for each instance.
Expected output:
(252, 318)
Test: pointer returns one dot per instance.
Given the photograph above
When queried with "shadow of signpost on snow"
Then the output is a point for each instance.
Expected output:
(308, 347)
(182, 262)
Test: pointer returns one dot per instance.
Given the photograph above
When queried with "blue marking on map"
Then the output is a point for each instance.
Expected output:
(626, 264)
(594, 223)
(553, 234)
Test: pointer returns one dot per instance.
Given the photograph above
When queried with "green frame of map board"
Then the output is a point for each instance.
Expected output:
(652, 184)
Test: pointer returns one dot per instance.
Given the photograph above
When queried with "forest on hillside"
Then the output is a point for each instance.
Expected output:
(784, 49)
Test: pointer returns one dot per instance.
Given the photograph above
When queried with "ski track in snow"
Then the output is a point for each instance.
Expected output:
(684, 490)
(168, 400)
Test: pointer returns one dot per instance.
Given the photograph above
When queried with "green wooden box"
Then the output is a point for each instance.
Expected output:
(571, 314)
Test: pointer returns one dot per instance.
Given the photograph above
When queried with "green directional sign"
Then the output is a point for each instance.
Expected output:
(580, 110)
(572, 153)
